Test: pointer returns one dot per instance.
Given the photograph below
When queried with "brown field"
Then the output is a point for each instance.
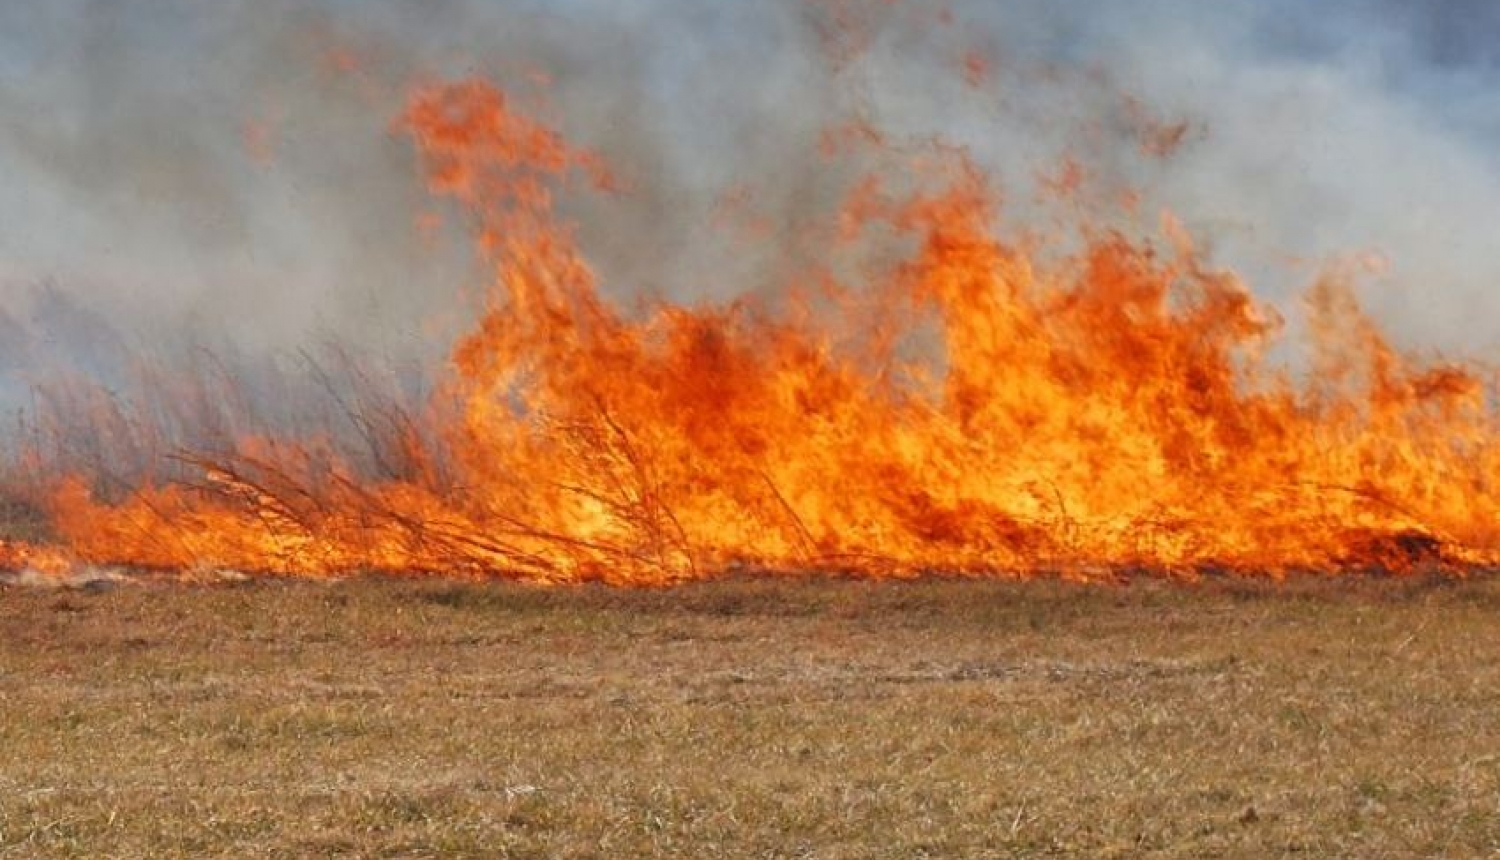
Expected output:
(752, 718)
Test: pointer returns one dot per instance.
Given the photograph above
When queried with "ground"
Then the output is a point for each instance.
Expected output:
(752, 718)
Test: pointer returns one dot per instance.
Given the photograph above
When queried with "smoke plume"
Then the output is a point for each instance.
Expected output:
(224, 176)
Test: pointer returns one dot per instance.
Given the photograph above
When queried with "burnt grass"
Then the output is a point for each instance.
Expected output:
(756, 717)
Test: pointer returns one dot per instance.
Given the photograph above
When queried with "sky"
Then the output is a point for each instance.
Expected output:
(211, 170)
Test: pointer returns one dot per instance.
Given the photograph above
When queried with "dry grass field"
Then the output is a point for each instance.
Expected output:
(752, 719)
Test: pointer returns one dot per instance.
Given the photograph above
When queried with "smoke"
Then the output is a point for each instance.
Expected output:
(226, 175)
(1358, 127)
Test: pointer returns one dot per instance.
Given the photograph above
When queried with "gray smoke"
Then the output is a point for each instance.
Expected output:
(225, 174)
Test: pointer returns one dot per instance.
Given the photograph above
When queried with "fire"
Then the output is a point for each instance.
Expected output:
(977, 408)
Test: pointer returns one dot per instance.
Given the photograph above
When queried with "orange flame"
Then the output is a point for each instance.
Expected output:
(1085, 414)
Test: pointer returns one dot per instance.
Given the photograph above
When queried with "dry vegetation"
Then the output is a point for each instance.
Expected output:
(752, 719)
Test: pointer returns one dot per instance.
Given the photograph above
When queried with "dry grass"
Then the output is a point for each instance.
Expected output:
(752, 719)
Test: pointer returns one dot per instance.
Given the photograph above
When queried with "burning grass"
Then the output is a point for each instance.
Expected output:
(752, 718)
(985, 403)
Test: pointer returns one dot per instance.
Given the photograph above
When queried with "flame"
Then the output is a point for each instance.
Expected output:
(978, 408)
